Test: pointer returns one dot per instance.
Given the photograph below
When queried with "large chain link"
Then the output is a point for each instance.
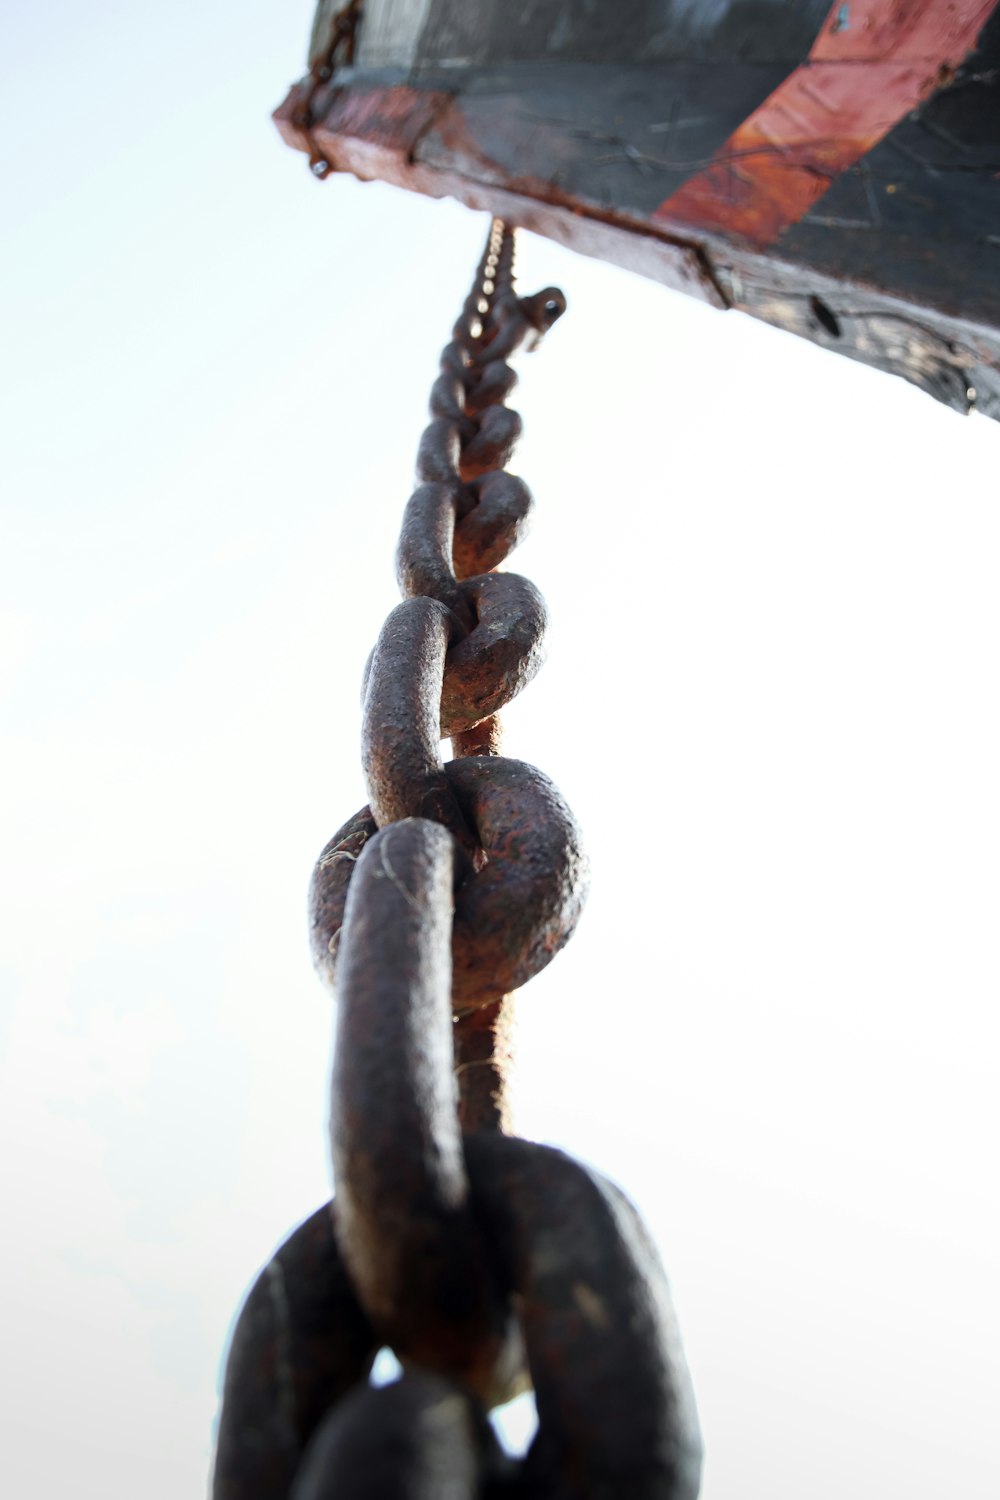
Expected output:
(485, 1262)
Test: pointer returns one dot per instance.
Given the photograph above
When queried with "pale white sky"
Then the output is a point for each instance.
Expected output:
(770, 699)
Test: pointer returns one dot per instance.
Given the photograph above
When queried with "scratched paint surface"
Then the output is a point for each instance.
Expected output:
(872, 63)
(689, 168)
(921, 211)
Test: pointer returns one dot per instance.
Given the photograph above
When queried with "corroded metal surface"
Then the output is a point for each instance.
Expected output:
(403, 1219)
(301, 1342)
(485, 1263)
(615, 1407)
(402, 715)
(515, 913)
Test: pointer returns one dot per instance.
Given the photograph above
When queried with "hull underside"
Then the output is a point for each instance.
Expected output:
(835, 172)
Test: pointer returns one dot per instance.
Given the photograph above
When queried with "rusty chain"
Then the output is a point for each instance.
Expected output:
(486, 1263)
(332, 45)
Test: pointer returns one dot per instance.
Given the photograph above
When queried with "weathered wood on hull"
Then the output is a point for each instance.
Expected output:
(689, 147)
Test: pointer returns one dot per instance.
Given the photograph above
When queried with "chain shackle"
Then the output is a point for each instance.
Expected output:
(485, 1262)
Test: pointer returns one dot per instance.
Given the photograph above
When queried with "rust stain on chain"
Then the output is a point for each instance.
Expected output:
(484, 1262)
(515, 913)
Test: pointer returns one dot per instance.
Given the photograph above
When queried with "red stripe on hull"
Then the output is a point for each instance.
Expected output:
(871, 64)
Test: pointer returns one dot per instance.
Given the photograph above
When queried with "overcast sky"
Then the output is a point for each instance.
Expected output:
(770, 699)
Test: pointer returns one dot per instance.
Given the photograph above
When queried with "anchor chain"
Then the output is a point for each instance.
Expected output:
(487, 1263)
(332, 45)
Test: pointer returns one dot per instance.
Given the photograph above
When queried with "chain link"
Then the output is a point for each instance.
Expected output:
(486, 1263)
(332, 44)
